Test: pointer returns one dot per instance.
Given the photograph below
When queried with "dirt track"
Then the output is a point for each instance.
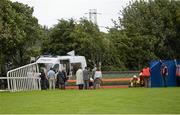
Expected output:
(107, 80)
(104, 80)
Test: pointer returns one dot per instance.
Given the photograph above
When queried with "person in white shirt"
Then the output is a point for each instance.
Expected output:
(51, 78)
(79, 78)
(97, 79)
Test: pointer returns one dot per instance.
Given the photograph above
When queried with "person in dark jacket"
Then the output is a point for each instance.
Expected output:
(61, 79)
(93, 71)
(86, 78)
(43, 79)
(177, 73)
(164, 73)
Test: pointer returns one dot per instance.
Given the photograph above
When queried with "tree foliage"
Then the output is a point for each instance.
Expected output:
(147, 30)
(157, 19)
(84, 37)
(19, 32)
(60, 40)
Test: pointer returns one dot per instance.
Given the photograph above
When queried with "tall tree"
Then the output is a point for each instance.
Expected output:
(90, 41)
(29, 30)
(60, 40)
(19, 32)
(157, 19)
(83, 37)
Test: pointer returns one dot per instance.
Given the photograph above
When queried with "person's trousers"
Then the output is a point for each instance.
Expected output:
(43, 82)
(86, 84)
(164, 81)
(178, 80)
(146, 81)
(62, 86)
(80, 86)
(52, 82)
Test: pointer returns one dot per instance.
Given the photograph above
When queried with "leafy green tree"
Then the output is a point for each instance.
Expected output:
(147, 30)
(117, 49)
(29, 31)
(90, 41)
(84, 37)
(6, 40)
(157, 19)
(19, 32)
(60, 40)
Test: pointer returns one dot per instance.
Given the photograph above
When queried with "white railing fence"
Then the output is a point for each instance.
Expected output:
(24, 78)
(21, 83)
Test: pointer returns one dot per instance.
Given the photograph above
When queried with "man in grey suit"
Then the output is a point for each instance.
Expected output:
(86, 78)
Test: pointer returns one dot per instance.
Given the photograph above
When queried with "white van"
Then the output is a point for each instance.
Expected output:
(70, 63)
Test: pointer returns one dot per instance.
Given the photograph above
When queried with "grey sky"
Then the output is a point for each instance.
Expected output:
(49, 11)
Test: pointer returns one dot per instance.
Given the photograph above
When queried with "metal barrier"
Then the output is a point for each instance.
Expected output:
(23, 78)
(22, 83)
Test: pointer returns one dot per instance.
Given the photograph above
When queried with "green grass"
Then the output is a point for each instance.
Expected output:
(130, 100)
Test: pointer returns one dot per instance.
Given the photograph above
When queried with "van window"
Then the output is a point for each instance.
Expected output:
(47, 66)
(66, 65)
(56, 67)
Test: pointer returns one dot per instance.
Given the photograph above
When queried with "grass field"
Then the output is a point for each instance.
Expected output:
(105, 101)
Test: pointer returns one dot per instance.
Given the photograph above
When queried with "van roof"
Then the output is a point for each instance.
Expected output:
(51, 59)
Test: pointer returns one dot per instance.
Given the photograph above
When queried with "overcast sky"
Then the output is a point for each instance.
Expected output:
(49, 11)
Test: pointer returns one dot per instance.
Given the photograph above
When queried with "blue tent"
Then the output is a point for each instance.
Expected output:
(156, 78)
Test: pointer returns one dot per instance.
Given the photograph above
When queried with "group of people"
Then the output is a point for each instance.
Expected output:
(88, 80)
(144, 76)
(53, 79)
(85, 79)
(142, 80)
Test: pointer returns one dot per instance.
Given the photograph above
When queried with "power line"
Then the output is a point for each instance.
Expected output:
(93, 15)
